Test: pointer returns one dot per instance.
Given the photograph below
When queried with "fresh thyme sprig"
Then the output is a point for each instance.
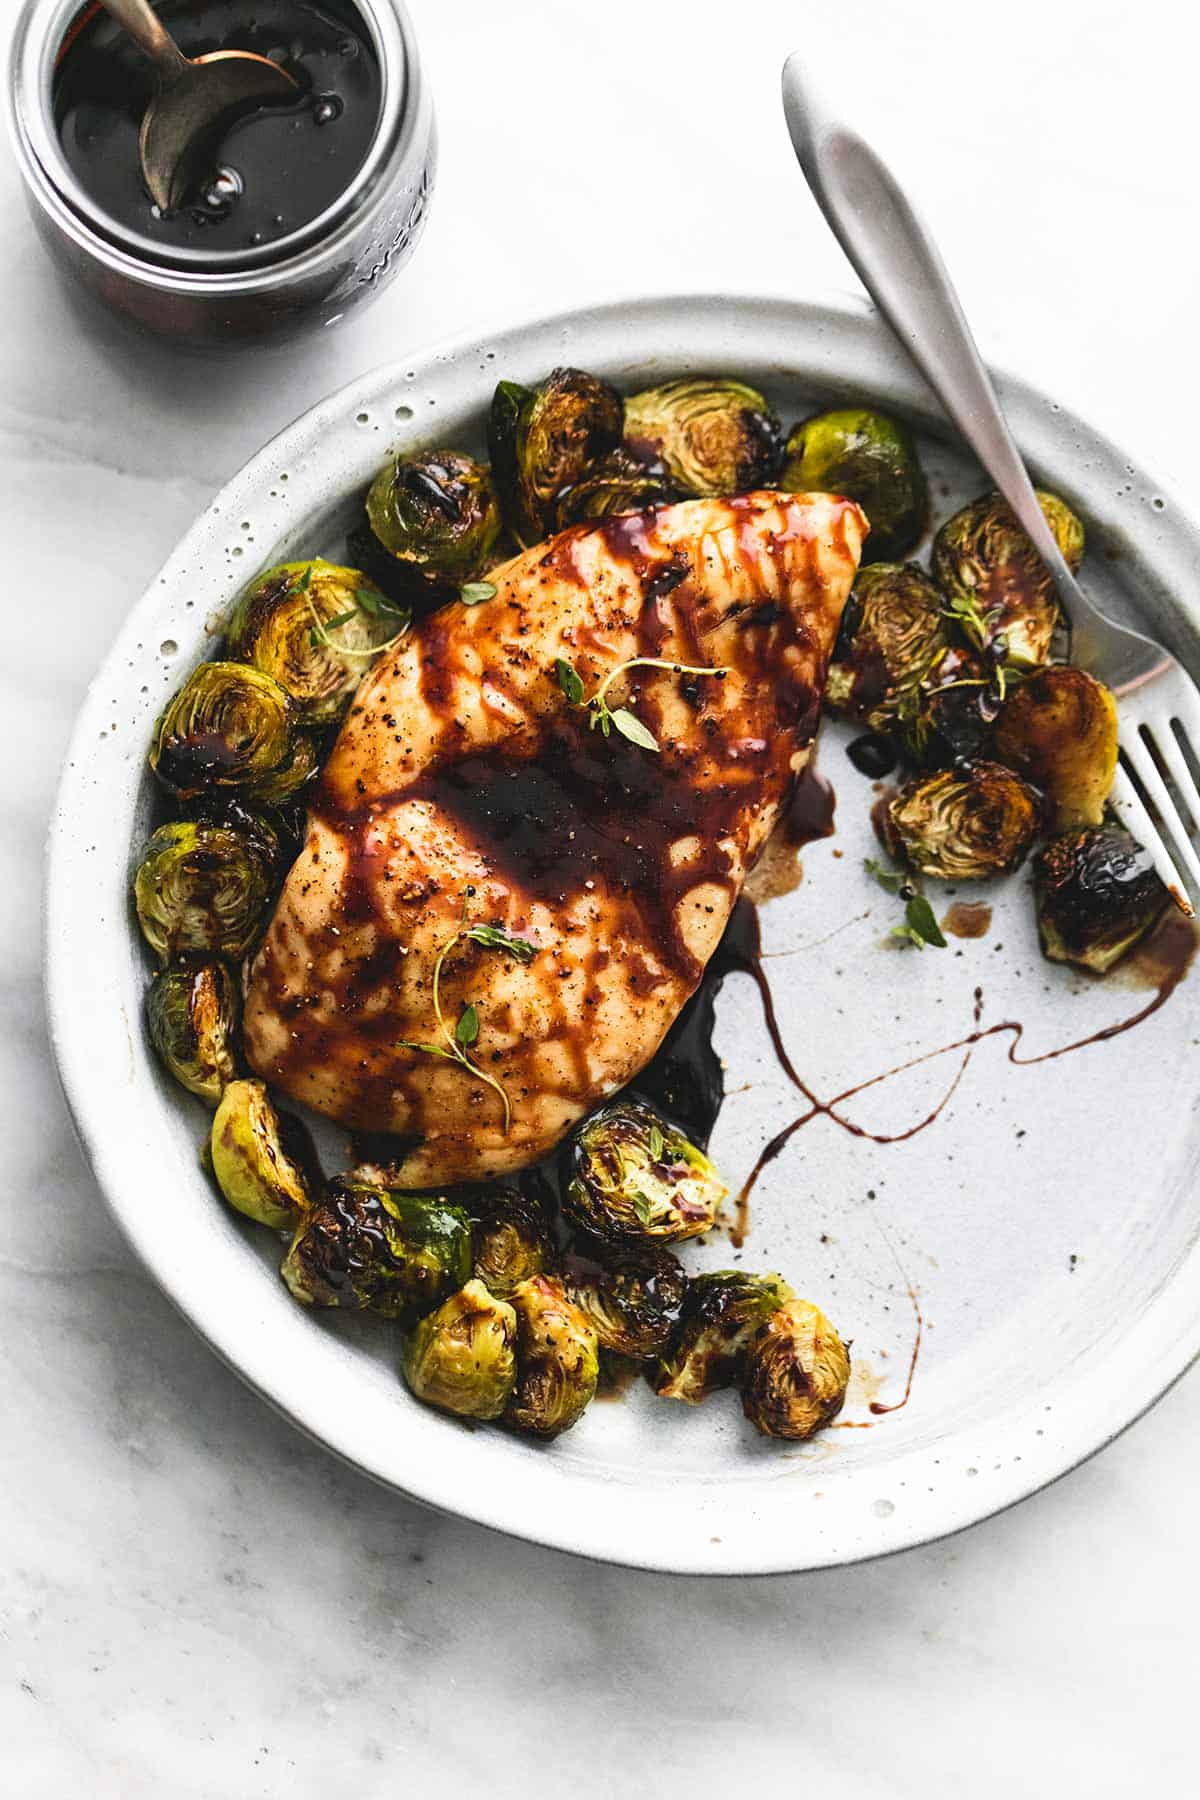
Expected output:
(619, 718)
(457, 1040)
(366, 600)
(920, 927)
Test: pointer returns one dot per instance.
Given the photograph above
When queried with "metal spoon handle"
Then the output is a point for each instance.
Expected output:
(148, 32)
(900, 267)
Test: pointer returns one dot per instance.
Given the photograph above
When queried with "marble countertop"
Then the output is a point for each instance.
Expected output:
(194, 1600)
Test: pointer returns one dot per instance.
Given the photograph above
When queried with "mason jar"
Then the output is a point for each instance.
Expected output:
(310, 278)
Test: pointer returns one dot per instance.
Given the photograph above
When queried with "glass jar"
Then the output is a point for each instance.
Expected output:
(312, 277)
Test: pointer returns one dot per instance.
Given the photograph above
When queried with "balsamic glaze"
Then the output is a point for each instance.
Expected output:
(873, 755)
(275, 169)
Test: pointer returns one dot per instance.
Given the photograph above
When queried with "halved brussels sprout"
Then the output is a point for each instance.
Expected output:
(962, 824)
(461, 1357)
(544, 439)
(1060, 730)
(795, 1373)
(314, 626)
(510, 1240)
(371, 1248)
(893, 634)
(713, 436)
(870, 458)
(203, 889)
(633, 1175)
(558, 1358)
(263, 1159)
(618, 483)
(228, 728)
(1097, 892)
(437, 515)
(192, 1018)
(633, 1303)
(999, 590)
(721, 1311)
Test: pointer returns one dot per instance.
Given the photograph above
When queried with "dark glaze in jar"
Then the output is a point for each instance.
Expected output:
(275, 170)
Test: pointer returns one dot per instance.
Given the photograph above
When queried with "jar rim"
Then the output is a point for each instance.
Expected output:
(40, 34)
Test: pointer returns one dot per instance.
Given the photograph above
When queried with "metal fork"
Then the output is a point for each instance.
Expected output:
(899, 265)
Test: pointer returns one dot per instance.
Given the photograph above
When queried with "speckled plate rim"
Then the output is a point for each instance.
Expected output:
(93, 966)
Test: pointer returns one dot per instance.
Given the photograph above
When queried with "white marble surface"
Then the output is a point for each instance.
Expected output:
(194, 1601)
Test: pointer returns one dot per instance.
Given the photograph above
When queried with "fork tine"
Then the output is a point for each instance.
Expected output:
(1127, 803)
(1167, 747)
(1142, 763)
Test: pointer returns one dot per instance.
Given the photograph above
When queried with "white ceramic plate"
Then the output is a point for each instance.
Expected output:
(1047, 1221)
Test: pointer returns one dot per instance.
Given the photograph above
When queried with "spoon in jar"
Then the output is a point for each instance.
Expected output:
(195, 96)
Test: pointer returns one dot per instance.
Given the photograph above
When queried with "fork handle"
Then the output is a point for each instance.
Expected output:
(901, 268)
(139, 19)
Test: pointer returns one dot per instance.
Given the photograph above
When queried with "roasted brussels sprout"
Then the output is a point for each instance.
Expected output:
(999, 590)
(720, 1313)
(372, 1248)
(795, 1372)
(461, 1357)
(228, 728)
(869, 458)
(962, 824)
(203, 889)
(263, 1159)
(618, 483)
(1059, 728)
(510, 1240)
(1097, 892)
(287, 783)
(949, 717)
(893, 634)
(314, 626)
(633, 1175)
(437, 515)
(558, 1358)
(544, 439)
(713, 436)
(633, 1303)
(192, 1018)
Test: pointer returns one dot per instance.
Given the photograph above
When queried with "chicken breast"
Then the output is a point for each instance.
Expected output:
(466, 787)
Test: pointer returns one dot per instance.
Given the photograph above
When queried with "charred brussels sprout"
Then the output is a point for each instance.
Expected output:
(1097, 893)
(314, 626)
(227, 729)
(633, 1303)
(713, 436)
(619, 483)
(461, 1358)
(949, 717)
(869, 458)
(998, 588)
(510, 1240)
(892, 635)
(262, 1159)
(1060, 730)
(203, 889)
(962, 824)
(558, 1358)
(287, 783)
(437, 516)
(795, 1373)
(635, 1176)
(370, 1248)
(544, 439)
(721, 1311)
(192, 1017)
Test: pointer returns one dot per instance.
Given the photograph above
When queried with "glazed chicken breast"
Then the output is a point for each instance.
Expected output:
(467, 787)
